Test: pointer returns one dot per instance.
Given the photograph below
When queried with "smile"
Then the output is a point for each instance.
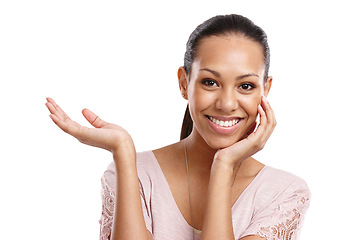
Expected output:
(224, 123)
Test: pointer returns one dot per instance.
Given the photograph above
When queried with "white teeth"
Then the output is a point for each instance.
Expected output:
(224, 123)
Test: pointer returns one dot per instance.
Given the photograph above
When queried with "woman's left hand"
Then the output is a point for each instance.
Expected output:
(253, 142)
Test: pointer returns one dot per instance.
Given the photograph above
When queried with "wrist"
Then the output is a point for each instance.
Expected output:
(229, 158)
(222, 169)
(124, 156)
(224, 162)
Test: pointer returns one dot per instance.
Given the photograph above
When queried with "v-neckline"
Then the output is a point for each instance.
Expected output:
(234, 206)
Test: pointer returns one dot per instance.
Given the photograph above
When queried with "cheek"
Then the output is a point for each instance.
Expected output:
(250, 104)
(200, 99)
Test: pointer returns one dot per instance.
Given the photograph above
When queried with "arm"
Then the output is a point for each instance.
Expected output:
(218, 220)
(219, 202)
(128, 218)
(253, 237)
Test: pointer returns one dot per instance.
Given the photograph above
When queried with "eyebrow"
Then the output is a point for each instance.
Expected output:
(217, 74)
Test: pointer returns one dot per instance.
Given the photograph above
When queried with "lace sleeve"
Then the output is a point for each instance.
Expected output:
(283, 218)
(107, 212)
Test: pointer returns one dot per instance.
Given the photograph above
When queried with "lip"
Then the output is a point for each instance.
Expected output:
(223, 130)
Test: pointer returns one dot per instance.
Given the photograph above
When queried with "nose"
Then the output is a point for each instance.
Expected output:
(227, 101)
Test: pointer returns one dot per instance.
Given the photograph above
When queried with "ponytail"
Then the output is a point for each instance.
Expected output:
(187, 125)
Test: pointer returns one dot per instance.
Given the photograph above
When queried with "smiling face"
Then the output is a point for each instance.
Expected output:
(225, 88)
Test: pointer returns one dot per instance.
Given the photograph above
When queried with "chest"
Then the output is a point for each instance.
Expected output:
(190, 195)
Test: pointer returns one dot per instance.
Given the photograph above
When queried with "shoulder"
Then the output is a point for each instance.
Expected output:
(280, 180)
(277, 187)
(272, 181)
(146, 167)
(143, 159)
(280, 200)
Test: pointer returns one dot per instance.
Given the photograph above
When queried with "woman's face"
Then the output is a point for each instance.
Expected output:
(225, 88)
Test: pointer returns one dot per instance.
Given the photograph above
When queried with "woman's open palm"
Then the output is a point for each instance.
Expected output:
(105, 135)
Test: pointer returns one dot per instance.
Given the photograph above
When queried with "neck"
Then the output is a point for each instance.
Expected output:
(200, 153)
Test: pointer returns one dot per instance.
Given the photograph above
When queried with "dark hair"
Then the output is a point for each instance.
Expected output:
(217, 26)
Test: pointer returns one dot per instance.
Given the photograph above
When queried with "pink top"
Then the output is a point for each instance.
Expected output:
(272, 206)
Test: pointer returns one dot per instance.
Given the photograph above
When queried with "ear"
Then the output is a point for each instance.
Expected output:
(183, 84)
(267, 86)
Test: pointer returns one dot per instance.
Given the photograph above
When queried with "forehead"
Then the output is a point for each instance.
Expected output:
(233, 53)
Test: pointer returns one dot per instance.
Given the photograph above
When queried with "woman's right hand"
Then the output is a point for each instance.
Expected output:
(105, 135)
(127, 205)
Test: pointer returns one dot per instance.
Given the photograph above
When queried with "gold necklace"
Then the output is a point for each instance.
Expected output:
(188, 180)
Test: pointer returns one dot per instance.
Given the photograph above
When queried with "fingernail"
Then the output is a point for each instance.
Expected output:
(265, 99)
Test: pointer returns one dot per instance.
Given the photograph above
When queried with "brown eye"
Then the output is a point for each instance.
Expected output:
(209, 83)
(247, 86)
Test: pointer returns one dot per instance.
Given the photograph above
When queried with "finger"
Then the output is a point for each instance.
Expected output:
(269, 111)
(270, 119)
(69, 127)
(56, 109)
(93, 119)
(263, 119)
(61, 119)
(262, 132)
(250, 131)
(54, 112)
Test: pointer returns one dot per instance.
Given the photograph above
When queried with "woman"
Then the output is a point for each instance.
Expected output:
(206, 186)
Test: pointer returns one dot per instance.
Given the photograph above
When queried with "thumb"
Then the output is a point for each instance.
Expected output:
(92, 118)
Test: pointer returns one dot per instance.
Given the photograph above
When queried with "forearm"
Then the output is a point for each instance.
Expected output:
(128, 220)
(218, 220)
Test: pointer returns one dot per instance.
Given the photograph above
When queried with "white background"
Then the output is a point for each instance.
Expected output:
(120, 60)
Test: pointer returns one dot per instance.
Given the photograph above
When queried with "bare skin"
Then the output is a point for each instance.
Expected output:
(172, 162)
(219, 86)
(115, 139)
(226, 82)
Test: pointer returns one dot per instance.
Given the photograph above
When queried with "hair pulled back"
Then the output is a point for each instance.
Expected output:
(218, 26)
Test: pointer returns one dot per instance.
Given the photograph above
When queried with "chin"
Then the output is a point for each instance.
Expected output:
(221, 142)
